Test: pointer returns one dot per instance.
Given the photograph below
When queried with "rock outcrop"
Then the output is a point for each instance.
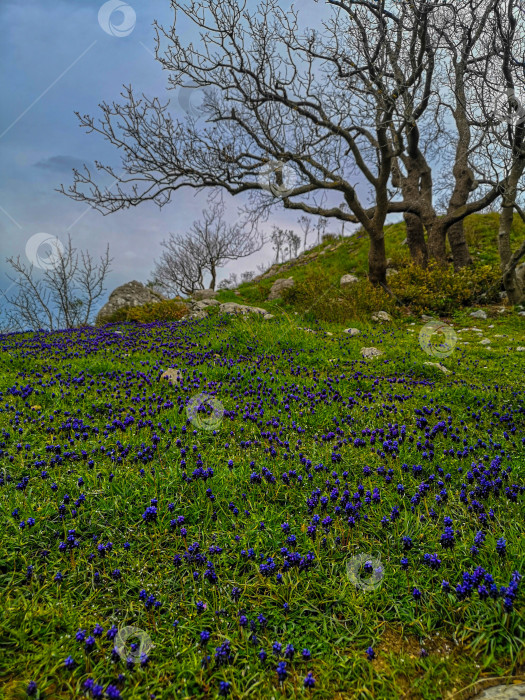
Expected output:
(130, 294)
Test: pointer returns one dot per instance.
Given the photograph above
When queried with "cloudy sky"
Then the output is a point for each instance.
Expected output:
(61, 56)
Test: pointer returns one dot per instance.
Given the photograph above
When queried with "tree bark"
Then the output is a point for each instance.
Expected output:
(436, 241)
(377, 258)
(416, 239)
(458, 244)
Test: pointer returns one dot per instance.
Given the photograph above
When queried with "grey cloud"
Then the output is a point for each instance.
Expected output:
(61, 163)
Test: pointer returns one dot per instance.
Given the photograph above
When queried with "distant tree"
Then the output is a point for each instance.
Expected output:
(247, 276)
(293, 243)
(306, 226)
(278, 239)
(229, 282)
(63, 295)
(207, 246)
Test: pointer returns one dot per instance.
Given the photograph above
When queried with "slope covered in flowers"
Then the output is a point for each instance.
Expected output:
(345, 528)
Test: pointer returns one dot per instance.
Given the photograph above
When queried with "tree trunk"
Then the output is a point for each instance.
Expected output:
(377, 258)
(459, 247)
(504, 247)
(416, 239)
(213, 271)
(436, 242)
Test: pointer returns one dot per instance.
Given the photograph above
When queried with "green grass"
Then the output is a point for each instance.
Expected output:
(308, 381)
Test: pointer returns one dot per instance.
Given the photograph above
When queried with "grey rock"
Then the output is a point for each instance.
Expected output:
(278, 286)
(484, 341)
(130, 294)
(352, 331)
(390, 272)
(479, 314)
(173, 376)
(502, 692)
(200, 294)
(368, 353)
(348, 279)
(381, 316)
(438, 365)
(231, 307)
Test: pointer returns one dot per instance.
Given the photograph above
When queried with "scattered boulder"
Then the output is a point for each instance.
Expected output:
(367, 353)
(130, 294)
(173, 376)
(425, 317)
(348, 279)
(231, 307)
(479, 314)
(391, 272)
(278, 286)
(520, 349)
(484, 341)
(200, 294)
(503, 692)
(381, 316)
(439, 366)
(352, 331)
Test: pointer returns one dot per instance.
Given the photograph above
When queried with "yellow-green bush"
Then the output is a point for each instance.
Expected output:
(317, 294)
(441, 289)
(169, 310)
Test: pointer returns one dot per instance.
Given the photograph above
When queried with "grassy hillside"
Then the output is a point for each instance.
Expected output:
(317, 273)
(235, 538)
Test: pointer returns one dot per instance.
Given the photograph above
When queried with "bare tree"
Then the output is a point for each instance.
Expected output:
(208, 245)
(293, 115)
(306, 226)
(229, 282)
(278, 239)
(247, 276)
(63, 296)
(294, 243)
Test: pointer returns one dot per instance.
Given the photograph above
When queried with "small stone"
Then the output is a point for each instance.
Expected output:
(348, 279)
(520, 349)
(479, 314)
(521, 313)
(502, 692)
(279, 286)
(352, 331)
(173, 376)
(424, 317)
(439, 366)
(484, 341)
(368, 353)
(381, 316)
(267, 317)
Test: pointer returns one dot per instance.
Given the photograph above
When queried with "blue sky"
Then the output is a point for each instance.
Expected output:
(57, 59)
